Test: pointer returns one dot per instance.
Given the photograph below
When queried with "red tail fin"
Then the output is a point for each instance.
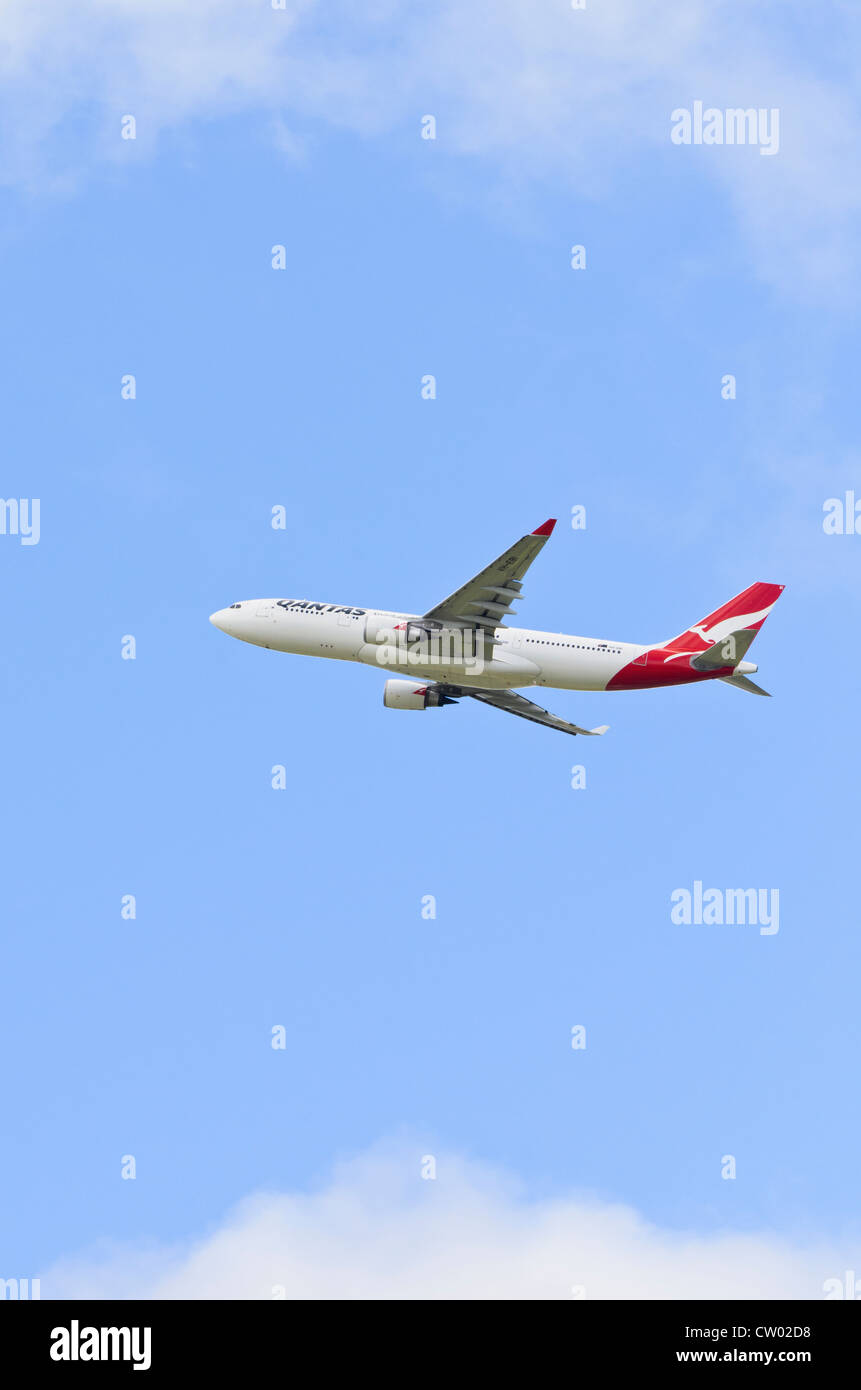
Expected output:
(748, 609)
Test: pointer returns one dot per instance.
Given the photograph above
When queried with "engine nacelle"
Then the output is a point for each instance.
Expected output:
(413, 695)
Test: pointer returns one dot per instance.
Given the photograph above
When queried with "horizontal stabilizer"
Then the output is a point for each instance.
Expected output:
(742, 683)
(729, 651)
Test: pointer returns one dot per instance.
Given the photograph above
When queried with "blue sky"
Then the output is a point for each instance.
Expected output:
(302, 907)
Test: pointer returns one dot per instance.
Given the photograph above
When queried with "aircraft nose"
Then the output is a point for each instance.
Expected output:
(218, 619)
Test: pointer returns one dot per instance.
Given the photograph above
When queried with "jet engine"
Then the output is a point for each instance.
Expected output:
(413, 695)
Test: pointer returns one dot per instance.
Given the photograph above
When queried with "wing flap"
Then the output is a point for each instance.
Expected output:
(512, 703)
(485, 600)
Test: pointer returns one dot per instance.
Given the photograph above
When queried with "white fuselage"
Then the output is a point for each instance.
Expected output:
(375, 637)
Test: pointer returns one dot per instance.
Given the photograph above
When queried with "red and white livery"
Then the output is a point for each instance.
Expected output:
(462, 647)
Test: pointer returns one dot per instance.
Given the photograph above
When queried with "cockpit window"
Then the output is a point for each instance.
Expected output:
(236, 605)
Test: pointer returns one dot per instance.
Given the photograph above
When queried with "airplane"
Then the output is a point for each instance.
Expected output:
(461, 648)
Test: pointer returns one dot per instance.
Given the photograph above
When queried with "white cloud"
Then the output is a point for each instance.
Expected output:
(532, 87)
(378, 1230)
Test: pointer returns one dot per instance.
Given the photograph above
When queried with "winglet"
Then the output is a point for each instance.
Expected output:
(546, 529)
(601, 729)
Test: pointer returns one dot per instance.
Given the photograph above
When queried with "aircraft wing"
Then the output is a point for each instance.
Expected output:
(485, 600)
(513, 703)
